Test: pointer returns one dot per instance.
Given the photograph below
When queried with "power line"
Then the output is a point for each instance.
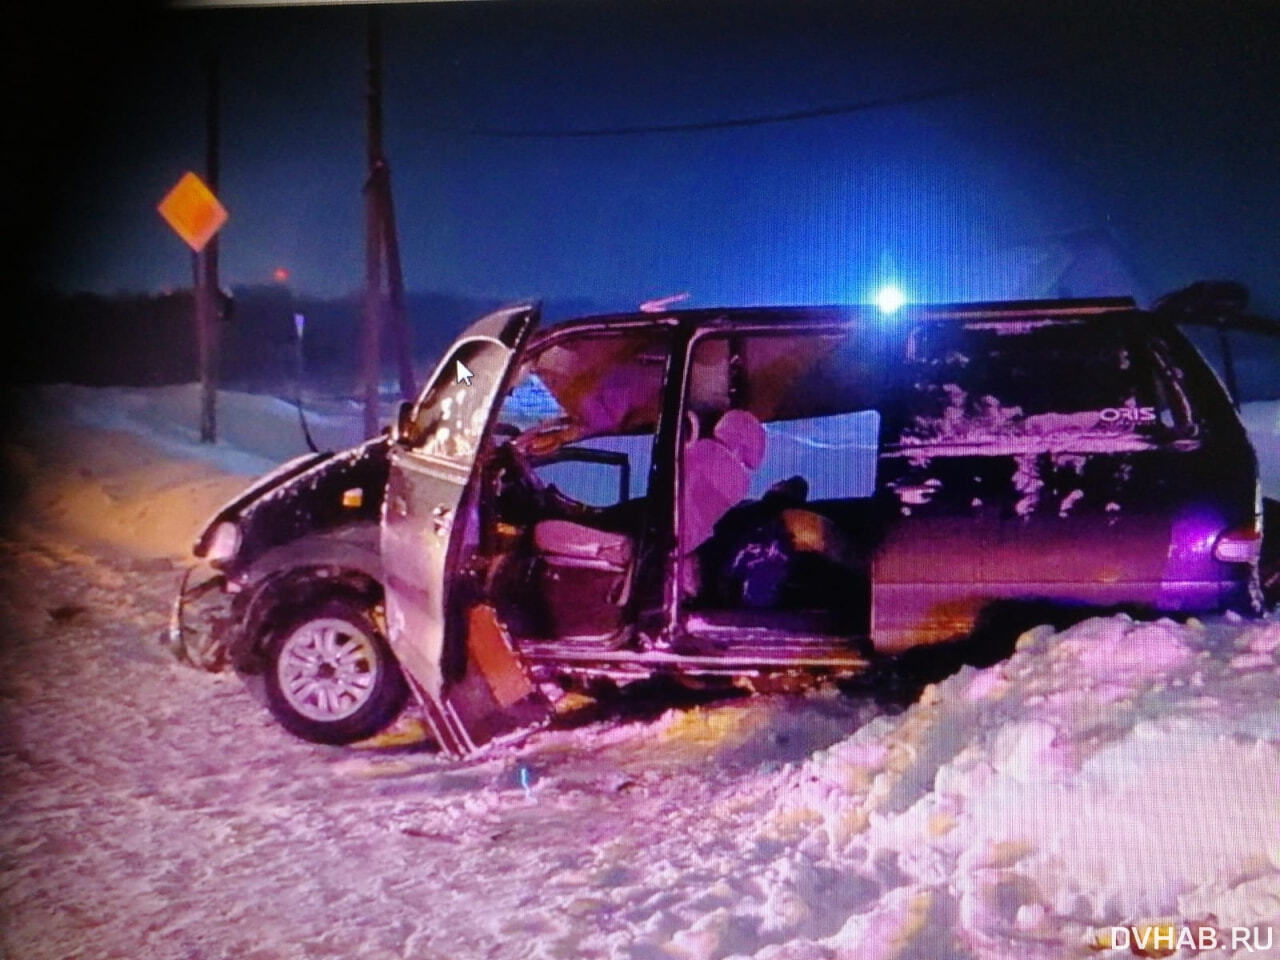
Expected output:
(934, 93)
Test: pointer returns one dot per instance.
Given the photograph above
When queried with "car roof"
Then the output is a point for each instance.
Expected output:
(1013, 311)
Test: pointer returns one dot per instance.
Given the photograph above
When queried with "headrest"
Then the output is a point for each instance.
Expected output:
(742, 433)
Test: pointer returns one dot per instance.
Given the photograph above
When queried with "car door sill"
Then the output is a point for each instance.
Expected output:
(825, 652)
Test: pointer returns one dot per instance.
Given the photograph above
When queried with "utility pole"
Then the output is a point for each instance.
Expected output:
(205, 269)
(194, 212)
(381, 250)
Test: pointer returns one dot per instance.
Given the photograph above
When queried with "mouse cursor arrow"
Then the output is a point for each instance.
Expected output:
(464, 375)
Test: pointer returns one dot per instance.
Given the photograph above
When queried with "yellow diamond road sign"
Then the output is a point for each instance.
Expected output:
(193, 211)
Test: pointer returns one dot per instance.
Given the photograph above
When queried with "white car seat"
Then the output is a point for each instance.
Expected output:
(574, 542)
(717, 473)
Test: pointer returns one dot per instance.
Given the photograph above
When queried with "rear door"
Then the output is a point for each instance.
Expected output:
(456, 653)
(1038, 459)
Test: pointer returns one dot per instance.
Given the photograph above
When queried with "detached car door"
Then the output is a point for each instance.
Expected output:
(456, 654)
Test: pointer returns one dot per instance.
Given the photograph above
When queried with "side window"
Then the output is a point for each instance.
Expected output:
(451, 415)
(584, 412)
(597, 483)
(987, 384)
(835, 454)
(814, 393)
(531, 405)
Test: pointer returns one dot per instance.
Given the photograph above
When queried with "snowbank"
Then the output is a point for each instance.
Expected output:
(1113, 774)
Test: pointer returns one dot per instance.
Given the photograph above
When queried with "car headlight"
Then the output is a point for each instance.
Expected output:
(224, 543)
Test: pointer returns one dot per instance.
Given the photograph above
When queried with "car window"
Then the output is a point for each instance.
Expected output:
(833, 400)
(452, 412)
(814, 394)
(605, 383)
(596, 392)
(530, 403)
(596, 484)
(994, 383)
(835, 454)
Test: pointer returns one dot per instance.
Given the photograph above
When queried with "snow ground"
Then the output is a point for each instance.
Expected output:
(1117, 773)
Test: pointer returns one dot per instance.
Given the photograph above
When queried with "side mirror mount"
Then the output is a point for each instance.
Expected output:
(404, 431)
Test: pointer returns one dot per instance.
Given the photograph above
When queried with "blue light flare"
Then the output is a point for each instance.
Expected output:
(890, 298)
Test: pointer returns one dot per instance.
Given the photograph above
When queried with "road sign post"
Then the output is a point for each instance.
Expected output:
(192, 209)
(196, 216)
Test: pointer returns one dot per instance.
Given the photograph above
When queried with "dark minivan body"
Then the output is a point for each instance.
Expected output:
(735, 493)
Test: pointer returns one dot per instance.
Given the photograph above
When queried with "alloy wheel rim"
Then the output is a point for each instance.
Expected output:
(327, 669)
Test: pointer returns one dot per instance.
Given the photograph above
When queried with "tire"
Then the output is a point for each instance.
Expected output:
(330, 676)
(1269, 564)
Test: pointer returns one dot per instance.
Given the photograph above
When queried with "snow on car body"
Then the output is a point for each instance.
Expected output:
(736, 493)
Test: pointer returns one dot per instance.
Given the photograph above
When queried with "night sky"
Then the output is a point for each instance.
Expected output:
(1155, 125)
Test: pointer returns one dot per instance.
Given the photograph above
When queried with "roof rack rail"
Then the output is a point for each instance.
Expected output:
(1023, 308)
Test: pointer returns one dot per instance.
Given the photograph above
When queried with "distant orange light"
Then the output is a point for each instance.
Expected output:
(280, 274)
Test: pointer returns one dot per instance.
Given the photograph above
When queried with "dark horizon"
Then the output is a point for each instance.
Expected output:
(992, 132)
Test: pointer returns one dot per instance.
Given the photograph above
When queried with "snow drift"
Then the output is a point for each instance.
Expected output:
(1108, 775)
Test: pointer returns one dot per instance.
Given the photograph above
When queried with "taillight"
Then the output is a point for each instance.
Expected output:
(1240, 545)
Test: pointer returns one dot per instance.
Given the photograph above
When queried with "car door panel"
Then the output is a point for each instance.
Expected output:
(462, 665)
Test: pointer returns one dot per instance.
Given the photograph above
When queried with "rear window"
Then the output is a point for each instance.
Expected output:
(998, 383)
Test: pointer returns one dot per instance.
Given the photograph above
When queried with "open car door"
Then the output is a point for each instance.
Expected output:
(456, 654)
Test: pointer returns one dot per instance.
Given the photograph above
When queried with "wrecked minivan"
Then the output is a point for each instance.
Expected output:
(736, 494)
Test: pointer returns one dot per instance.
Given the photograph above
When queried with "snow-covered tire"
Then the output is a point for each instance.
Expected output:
(331, 677)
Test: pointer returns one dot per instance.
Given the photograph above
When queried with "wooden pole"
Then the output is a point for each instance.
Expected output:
(395, 283)
(208, 412)
(372, 228)
(381, 252)
(206, 270)
(372, 366)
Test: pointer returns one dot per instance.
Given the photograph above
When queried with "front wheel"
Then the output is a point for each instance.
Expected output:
(331, 677)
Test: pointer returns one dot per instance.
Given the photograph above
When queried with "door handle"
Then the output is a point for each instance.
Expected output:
(917, 494)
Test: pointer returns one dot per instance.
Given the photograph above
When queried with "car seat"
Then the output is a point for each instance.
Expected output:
(575, 542)
(581, 578)
(717, 473)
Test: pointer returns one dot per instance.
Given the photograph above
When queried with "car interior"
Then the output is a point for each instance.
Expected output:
(567, 483)
(778, 493)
